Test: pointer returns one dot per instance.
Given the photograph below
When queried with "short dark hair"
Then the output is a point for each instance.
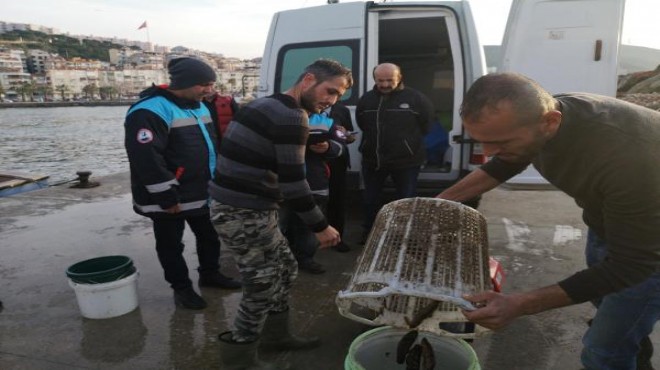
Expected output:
(325, 69)
(530, 101)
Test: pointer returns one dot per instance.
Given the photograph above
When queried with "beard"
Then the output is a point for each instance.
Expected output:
(307, 101)
(527, 154)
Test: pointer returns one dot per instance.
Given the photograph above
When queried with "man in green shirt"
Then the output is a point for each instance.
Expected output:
(602, 152)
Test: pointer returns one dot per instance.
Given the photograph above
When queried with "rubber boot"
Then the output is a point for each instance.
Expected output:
(242, 356)
(277, 335)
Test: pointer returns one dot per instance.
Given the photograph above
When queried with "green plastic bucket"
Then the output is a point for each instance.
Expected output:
(101, 270)
(376, 350)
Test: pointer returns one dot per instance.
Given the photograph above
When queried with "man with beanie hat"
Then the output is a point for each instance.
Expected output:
(189, 72)
(170, 142)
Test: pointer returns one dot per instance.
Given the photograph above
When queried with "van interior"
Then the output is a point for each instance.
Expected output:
(421, 47)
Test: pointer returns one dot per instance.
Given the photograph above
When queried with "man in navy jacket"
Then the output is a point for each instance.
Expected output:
(170, 142)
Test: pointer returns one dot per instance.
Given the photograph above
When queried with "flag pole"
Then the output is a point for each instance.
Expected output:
(145, 25)
(149, 39)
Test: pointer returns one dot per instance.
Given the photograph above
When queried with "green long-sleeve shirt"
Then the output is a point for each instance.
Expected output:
(606, 156)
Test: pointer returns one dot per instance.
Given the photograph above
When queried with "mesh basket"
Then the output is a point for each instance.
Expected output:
(421, 256)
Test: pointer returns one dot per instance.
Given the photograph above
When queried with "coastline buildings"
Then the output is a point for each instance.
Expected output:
(32, 74)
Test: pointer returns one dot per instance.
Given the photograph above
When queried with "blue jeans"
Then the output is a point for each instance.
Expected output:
(622, 319)
(405, 182)
(302, 240)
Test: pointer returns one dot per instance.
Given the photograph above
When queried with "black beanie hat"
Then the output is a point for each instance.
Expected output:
(188, 72)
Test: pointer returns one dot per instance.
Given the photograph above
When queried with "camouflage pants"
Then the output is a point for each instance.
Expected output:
(264, 260)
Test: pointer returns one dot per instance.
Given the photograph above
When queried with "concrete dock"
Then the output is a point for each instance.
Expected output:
(538, 236)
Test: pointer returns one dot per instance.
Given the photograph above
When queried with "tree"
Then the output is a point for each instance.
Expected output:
(107, 92)
(62, 89)
(45, 90)
(90, 90)
(26, 88)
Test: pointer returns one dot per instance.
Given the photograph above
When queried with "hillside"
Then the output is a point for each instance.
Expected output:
(65, 46)
(639, 81)
(631, 58)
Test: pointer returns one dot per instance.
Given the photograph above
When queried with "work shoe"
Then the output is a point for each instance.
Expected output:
(188, 298)
(218, 280)
(342, 247)
(311, 267)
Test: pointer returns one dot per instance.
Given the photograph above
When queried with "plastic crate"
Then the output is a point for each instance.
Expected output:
(422, 255)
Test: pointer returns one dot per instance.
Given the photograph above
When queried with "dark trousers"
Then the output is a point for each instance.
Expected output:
(169, 233)
(336, 210)
(405, 182)
(302, 240)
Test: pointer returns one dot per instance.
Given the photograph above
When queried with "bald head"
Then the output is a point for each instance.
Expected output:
(527, 98)
(387, 77)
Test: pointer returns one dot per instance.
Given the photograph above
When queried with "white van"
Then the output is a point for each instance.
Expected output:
(437, 47)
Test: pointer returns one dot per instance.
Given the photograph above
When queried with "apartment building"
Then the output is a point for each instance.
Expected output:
(13, 73)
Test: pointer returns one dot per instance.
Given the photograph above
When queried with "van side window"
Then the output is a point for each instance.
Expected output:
(293, 58)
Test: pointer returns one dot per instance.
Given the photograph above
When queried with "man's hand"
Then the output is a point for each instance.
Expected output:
(174, 209)
(348, 137)
(320, 148)
(495, 310)
(328, 237)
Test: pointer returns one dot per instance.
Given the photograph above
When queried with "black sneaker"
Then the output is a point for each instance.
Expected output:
(188, 298)
(311, 267)
(342, 247)
(218, 280)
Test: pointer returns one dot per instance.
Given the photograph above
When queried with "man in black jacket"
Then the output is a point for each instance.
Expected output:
(170, 142)
(394, 120)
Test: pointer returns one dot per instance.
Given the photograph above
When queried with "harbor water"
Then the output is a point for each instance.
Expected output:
(60, 141)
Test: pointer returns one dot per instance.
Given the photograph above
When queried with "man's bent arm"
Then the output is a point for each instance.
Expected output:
(472, 185)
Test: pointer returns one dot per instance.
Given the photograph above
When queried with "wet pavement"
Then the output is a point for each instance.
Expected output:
(538, 237)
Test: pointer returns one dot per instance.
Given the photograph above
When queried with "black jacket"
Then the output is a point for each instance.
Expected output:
(342, 117)
(170, 144)
(393, 127)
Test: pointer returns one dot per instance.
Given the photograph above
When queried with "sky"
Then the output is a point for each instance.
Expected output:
(238, 28)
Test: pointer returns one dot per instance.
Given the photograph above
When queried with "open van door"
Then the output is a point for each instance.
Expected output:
(435, 44)
(566, 46)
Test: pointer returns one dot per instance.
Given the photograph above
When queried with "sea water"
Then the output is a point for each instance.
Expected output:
(60, 141)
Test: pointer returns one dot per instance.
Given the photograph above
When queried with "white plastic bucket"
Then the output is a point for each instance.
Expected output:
(376, 350)
(103, 301)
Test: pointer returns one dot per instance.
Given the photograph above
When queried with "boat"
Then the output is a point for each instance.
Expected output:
(15, 182)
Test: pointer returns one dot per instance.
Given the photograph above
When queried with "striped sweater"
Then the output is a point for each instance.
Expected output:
(262, 160)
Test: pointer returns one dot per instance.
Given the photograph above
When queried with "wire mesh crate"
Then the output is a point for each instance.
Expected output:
(421, 256)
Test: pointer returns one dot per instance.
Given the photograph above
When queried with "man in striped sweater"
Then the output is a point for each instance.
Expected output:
(262, 163)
